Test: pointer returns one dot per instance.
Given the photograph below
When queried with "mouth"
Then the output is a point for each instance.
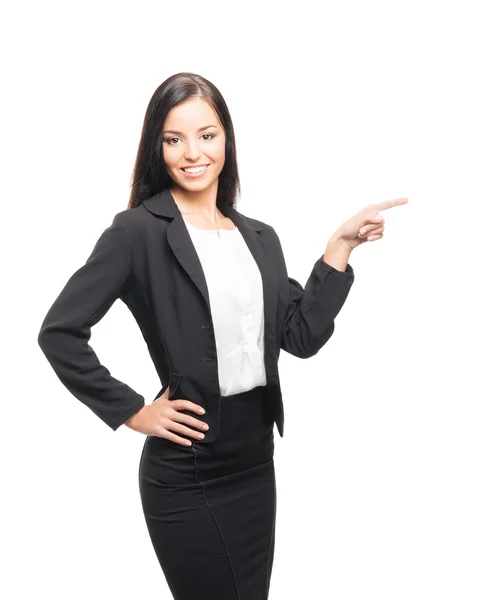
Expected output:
(195, 169)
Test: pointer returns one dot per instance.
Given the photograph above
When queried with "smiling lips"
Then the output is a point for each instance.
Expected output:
(197, 169)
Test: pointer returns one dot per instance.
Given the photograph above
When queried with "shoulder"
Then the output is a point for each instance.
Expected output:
(130, 217)
(265, 230)
(257, 224)
(133, 221)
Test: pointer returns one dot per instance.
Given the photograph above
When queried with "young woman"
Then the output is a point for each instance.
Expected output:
(210, 292)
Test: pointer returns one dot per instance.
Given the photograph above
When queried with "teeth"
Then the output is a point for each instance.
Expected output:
(195, 169)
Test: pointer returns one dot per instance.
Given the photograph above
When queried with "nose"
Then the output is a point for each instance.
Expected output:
(192, 150)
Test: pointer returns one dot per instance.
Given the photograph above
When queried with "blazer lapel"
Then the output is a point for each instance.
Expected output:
(252, 234)
(163, 205)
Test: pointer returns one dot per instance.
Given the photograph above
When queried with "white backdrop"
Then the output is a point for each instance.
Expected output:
(387, 476)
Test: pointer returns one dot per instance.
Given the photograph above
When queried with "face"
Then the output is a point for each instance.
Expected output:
(193, 137)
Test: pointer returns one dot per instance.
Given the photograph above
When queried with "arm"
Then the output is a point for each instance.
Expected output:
(66, 329)
(309, 320)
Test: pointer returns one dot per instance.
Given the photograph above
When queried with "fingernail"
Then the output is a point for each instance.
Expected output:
(202, 411)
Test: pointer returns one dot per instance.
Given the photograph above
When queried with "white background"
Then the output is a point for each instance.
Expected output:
(388, 473)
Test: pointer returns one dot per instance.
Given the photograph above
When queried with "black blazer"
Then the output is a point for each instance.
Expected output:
(147, 259)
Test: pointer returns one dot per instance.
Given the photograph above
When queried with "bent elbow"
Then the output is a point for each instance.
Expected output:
(50, 341)
(302, 342)
(43, 339)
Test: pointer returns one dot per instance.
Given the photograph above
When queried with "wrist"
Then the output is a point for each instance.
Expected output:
(132, 420)
(337, 253)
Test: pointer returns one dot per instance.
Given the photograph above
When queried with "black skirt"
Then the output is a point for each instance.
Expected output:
(210, 508)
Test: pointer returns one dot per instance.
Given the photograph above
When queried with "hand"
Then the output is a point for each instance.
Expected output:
(367, 225)
(162, 418)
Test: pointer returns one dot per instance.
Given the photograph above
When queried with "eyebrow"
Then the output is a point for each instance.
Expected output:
(180, 132)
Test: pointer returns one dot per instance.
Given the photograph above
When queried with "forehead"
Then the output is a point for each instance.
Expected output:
(191, 113)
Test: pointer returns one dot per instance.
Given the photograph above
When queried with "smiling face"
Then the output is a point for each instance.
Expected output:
(193, 137)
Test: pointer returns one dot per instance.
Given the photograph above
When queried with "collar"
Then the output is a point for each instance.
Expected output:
(163, 204)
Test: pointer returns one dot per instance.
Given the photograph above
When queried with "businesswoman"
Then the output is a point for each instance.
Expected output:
(209, 289)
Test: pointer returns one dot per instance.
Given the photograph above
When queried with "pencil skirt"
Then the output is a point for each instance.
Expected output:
(210, 508)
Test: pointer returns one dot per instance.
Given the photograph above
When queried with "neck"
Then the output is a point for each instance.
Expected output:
(203, 203)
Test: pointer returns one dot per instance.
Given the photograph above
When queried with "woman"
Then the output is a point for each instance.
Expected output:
(209, 289)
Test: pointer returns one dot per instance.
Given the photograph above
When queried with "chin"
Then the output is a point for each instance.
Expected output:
(199, 184)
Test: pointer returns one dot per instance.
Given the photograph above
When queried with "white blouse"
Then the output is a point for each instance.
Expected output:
(236, 300)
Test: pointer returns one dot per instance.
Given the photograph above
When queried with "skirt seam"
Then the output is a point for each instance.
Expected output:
(216, 524)
(272, 536)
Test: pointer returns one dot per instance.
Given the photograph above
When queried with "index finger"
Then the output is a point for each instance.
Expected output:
(390, 203)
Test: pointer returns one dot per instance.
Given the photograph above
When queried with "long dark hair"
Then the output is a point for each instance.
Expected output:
(150, 174)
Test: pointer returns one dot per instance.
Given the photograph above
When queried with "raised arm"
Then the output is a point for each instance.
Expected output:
(309, 321)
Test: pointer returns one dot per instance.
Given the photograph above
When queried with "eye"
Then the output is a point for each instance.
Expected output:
(170, 141)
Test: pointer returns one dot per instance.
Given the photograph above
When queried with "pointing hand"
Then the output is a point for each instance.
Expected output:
(367, 225)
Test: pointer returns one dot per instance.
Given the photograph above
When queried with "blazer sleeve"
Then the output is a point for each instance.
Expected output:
(65, 332)
(311, 310)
